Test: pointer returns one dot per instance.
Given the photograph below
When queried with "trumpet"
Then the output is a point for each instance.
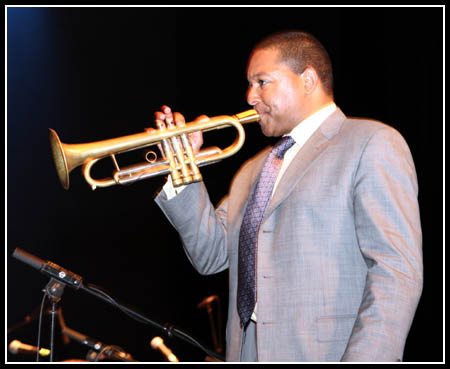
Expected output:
(178, 159)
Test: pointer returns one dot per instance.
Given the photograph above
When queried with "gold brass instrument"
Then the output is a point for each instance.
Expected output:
(178, 159)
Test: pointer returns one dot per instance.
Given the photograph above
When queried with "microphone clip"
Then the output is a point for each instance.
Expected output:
(54, 290)
(55, 271)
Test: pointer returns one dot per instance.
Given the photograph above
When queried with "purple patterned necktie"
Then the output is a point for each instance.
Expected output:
(246, 293)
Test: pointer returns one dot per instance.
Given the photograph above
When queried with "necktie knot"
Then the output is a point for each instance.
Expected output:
(283, 145)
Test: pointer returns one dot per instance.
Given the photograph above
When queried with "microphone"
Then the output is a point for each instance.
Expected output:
(16, 347)
(207, 301)
(157, 343)
(50, 269)
(114, 352)
(85, 340)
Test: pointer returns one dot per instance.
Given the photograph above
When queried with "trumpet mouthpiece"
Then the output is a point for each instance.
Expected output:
(248, 116)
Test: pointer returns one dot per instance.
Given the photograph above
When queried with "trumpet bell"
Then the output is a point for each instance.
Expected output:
(59, 158)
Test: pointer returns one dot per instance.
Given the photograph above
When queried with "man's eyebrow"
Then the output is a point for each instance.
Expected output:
(258, 75)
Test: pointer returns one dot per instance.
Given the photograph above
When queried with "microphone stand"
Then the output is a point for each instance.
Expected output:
(73, 280)
(54, 291)
(168, 329)
(112, 351)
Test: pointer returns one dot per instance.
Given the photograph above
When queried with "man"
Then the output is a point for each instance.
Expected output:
(337, 272)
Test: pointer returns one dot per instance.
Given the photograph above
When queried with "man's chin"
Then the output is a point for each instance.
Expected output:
(268, 134)
(267, 130)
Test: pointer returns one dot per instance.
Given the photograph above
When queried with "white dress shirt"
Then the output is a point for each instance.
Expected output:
(301, 133)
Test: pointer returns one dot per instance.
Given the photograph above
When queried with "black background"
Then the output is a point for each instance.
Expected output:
(96, 73)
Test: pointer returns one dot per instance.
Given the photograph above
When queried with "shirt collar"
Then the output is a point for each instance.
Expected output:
(306, 128)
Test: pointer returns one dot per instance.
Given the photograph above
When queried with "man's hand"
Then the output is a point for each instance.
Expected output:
(166, 119)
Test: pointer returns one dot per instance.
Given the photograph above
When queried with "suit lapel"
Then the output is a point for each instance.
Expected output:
(305, 158)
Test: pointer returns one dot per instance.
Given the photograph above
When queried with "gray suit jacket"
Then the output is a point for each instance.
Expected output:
(339, 258)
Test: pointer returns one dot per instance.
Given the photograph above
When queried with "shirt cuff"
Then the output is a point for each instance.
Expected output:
(170, 190)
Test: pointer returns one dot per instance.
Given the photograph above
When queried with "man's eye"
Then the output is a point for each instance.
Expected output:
(258, 83)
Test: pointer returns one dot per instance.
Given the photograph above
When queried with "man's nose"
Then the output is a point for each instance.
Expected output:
(252, 96)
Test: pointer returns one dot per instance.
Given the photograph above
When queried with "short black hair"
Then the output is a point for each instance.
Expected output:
(299, 50)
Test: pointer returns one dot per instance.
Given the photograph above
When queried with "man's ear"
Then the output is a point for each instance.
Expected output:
(310, 79)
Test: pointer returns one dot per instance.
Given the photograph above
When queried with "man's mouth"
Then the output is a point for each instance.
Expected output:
(261, 112)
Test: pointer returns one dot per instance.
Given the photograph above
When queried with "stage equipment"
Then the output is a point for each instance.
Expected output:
(16, 347)
(179, 159)
(157, 343)
(216, 334)
(54, 290)
(99, 350)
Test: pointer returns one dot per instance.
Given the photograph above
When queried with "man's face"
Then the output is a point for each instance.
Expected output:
(275, 91)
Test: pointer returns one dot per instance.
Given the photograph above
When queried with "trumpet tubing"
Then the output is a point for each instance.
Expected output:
(179, 159)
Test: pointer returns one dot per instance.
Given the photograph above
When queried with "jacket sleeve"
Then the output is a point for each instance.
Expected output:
(387, 225)
(200, 226)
